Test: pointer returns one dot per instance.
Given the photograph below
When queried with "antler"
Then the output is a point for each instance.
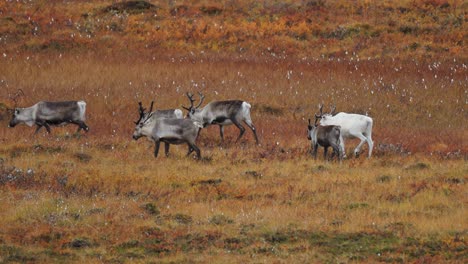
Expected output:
(141, 111)
(150, 113)
(16, 96)
(190, 97)
(321, 111)
(151, 107)
(332, 111)
(201, 99)
(316, 119)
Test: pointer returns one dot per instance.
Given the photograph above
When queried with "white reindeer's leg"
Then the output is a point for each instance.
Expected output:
(342, 146)
(370, 143)
(363, 140)
(249, 123)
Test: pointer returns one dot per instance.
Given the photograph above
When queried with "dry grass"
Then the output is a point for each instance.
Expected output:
(295, 28)
(101, 197)
(401, 96)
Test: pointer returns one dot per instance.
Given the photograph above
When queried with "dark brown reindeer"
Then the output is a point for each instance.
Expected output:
(325, 136)
(46, 114)
(168, 130)
(222, 113)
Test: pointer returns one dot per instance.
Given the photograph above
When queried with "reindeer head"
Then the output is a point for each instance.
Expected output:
(192, 110)
(16, 117)
(311, 128)
(16, 113)
(325, 116)
(143, 121)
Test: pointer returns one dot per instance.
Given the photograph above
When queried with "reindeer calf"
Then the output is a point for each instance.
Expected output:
(325, 136)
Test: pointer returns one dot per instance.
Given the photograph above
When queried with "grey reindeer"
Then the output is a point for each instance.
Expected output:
(168, 130)
(325, 136)
(222, 113)
(46, 114)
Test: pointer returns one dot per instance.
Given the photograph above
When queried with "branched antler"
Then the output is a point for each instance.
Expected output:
(201, 99)
(321, 112)
(332, 111)
(190, 97)
(141, 112)
(15, 97)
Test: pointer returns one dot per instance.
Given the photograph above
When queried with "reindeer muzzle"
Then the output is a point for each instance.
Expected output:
(12, 124)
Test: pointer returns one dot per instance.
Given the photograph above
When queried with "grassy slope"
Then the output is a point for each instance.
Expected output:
(102, 197)
(421, 28)
(88, 203)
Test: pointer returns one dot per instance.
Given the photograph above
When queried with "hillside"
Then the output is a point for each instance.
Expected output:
(294, 28)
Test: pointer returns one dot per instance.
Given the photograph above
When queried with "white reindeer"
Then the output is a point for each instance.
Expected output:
(352, 126)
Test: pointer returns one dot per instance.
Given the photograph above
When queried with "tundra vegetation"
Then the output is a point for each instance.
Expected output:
(101, 197)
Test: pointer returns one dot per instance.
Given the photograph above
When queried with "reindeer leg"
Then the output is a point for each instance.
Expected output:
(197, 150)
(190, 150)
(221, 133)
(241, 128)
(336, 151)
(156, 148)
(166, 148)
(325, 151)
(370, 144)
(342, 146)
(81, 125)
(314, 150)
(193, 147)
(333, 153)
(363, 140)
(39, 126)
(47, 127)
(250, 124)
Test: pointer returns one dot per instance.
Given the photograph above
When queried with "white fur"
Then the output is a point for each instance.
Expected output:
(82, 106)
(178, 113)
(352, 126)
(27, 115)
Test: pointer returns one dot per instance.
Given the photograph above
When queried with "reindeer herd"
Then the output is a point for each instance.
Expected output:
(170, 127)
